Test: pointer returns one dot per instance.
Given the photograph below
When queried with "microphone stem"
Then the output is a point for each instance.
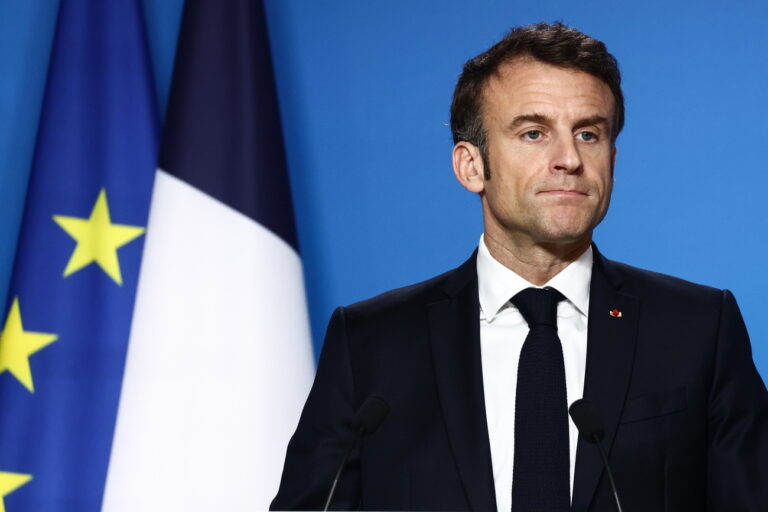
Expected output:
(341, 468)
(608, 470)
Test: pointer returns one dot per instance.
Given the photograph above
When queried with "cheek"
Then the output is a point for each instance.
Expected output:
(601, 208)
(507, 192)
(606, 183)
(600, 171)
(503, 197)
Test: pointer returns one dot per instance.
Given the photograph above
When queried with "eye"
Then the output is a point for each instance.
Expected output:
(532, 134)
(587, 136)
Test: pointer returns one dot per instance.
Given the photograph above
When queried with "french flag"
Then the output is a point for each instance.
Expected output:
(220, 359)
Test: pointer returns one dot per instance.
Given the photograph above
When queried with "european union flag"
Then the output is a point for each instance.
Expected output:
(65, 334)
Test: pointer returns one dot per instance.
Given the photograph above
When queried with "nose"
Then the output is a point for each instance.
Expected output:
(566, 158)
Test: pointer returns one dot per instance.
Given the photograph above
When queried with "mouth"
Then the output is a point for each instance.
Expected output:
(564, 193)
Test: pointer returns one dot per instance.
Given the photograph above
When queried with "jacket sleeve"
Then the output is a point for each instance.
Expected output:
(737, 463)
(324, 433)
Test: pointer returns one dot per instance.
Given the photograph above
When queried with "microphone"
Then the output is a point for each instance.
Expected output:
(591, 428)
(371, 415)
(368, 419)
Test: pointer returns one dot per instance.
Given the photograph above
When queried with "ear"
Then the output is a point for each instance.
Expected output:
(468, 166)
(613, 159)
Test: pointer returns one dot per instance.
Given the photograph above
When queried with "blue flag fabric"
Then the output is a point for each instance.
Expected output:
(220, 357)
(223, 131)
(66, 328)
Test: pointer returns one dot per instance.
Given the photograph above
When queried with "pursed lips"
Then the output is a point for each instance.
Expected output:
(564, 192)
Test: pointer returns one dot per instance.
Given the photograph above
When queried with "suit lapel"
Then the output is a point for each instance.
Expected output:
(611, 342)
(455, 338)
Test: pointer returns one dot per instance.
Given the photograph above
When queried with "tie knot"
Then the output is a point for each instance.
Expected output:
(538, 305)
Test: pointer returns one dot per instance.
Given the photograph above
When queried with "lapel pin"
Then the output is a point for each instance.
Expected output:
(615, 313)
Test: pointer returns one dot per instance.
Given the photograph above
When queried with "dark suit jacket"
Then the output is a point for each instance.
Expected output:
(685, 411)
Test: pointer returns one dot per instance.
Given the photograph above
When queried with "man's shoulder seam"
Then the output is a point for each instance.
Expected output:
(635, 275)
(426, 291)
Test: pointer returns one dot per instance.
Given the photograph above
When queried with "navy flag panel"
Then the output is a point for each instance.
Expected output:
(223, 133)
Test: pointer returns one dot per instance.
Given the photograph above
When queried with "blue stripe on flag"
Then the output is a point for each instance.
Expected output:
(64, 338)
(222, 129)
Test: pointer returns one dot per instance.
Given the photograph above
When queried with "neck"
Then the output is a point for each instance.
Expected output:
(536, 263)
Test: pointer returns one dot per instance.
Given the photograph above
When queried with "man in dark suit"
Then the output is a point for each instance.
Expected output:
(479, 364)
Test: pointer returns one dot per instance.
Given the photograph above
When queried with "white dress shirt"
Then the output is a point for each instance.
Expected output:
(502, 333)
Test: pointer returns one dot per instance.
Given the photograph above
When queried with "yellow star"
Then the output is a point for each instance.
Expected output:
(16, 345)
(9, 482)
(97, 239)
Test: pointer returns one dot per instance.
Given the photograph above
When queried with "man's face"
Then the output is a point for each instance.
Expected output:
(550, 153)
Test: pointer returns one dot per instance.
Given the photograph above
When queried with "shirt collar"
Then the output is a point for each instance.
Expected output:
(497, 284)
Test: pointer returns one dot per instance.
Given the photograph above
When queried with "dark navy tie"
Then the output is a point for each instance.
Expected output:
(541, 478)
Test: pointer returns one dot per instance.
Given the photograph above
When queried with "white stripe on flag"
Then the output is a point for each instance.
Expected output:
(219, 361)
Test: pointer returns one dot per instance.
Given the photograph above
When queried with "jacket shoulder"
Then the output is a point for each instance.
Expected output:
(642, 282)
(415, 297)
(401, 299)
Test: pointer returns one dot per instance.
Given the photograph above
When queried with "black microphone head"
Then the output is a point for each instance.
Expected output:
(586, 420)
(371, 414)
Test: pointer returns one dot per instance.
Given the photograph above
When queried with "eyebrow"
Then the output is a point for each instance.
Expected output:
(530, 118)
(592, 121)
(542, 119)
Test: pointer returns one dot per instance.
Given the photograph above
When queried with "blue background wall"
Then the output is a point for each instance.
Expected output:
(364, 92)
(26, 34)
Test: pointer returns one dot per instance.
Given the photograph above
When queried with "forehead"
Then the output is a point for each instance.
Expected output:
(525, 86)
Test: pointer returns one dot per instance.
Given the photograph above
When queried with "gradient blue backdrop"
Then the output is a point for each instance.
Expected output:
(364, 92)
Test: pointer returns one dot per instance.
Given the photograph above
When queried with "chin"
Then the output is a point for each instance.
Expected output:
(568, 228)
(566, 234)
(566, 240)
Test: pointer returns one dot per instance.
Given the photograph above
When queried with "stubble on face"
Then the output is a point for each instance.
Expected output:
(550, 148)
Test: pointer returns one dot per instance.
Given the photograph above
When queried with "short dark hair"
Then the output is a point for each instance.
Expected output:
(556, 44)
